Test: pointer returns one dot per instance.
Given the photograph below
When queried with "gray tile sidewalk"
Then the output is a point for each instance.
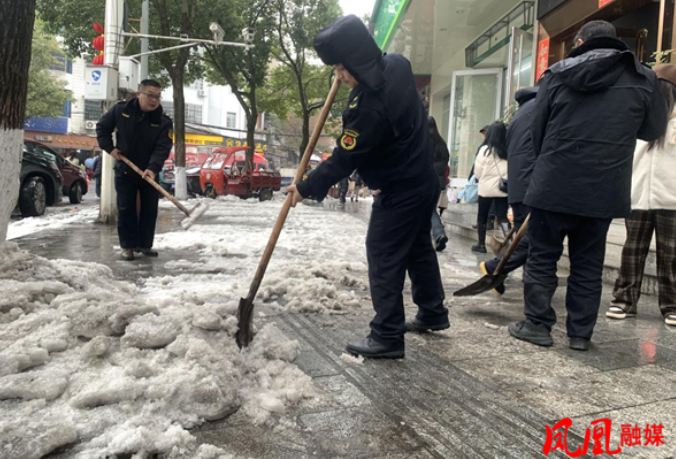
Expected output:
(468, 392)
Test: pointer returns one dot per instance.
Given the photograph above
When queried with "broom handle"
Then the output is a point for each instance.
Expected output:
(162, 191)
(263, 265)
(512, 247)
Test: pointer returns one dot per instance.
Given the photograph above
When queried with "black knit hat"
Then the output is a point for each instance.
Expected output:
(346, 41)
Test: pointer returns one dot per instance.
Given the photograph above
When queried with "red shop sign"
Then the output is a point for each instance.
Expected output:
(543, 58)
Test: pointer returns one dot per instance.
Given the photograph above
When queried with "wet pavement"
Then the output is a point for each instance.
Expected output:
(469, 392)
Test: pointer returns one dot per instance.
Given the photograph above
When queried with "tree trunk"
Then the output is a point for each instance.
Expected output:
(16, 36)
(306, 132)
(181, 183)
(251, 122)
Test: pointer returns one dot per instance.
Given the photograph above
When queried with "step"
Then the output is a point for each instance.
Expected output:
(459, 218)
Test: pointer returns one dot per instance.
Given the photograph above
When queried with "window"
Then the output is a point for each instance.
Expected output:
(193, 113)
(168, 107)
(59, 62)
(231, 120)
(92, 110)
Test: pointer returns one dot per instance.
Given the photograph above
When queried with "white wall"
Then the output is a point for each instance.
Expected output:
(76, 84)
(217, 102)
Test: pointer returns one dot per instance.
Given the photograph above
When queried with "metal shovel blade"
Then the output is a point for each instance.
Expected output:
(245, 333)
(484, 284)
(490, 281)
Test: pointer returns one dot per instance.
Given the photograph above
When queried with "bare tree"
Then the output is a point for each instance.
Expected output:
(16, 35)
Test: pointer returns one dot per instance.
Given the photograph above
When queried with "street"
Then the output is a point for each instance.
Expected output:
(175, 386)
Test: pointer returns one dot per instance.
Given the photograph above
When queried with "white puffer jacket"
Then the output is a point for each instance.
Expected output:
(653, 184)
(489, 168)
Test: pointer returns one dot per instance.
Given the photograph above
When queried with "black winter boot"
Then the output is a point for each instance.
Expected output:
(481, 246)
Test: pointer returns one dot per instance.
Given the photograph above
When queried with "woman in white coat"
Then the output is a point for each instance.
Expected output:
(653, 205)
(490, 169)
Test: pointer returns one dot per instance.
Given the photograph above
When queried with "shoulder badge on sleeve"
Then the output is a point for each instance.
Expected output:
(354, 102)
(349, 139)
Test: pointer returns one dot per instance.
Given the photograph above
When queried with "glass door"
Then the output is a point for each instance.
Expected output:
(476, 97)
(520, 65)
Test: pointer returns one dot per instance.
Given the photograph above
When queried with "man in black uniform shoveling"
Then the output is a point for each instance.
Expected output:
(144, 137)
(386, 138)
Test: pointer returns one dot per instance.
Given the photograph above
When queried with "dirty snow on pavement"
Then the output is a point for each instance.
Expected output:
(54, 218)
(319, 263)
(107, 368)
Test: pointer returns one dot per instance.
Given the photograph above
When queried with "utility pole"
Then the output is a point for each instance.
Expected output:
(111, 50)
(145, 29)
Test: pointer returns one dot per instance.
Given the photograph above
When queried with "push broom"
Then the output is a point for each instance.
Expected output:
(246, 305)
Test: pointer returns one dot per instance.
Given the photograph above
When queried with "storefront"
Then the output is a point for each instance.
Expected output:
(83, 146)
(646, 26)
(469, 58)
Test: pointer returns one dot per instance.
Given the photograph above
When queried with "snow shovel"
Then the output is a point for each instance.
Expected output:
(490, 281)
(499, 246)
(246, 306)
(191, 215)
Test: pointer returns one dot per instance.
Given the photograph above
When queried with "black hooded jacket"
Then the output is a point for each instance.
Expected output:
(385, 130)
(144, 138)
(589, 111)
(520, 147)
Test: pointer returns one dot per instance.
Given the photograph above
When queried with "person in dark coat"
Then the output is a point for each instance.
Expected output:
(386, 138)
(590, 109)
(520, 168)
(358, 184)
(343, 188)
(441, 158)
(143, 136)
(98, 160)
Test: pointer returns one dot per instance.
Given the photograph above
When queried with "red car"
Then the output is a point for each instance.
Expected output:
(75, 183)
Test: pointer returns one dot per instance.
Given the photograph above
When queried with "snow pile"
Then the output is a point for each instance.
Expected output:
(304, 275)
(351, 359)
(90, 361)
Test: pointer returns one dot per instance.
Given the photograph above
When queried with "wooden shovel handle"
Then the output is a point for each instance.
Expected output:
(512, 247)
(162, 191)
(289, 199)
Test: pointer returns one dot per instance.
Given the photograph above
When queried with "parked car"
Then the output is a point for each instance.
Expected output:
(75, 180)
(41, 182)
(168, 179)
(223, 173)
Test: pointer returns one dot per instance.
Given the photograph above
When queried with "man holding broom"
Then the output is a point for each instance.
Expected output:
(144, 137)
(386, 138)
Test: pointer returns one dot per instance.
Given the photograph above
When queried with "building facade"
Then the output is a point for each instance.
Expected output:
(471, 56)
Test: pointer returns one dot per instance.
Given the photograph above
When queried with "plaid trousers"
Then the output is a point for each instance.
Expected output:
(640, 227)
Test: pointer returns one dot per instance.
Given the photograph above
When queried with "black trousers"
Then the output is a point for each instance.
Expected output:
(135, 230)
(501, 206)
(398, 241)
(520, 255)
(587, 249)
